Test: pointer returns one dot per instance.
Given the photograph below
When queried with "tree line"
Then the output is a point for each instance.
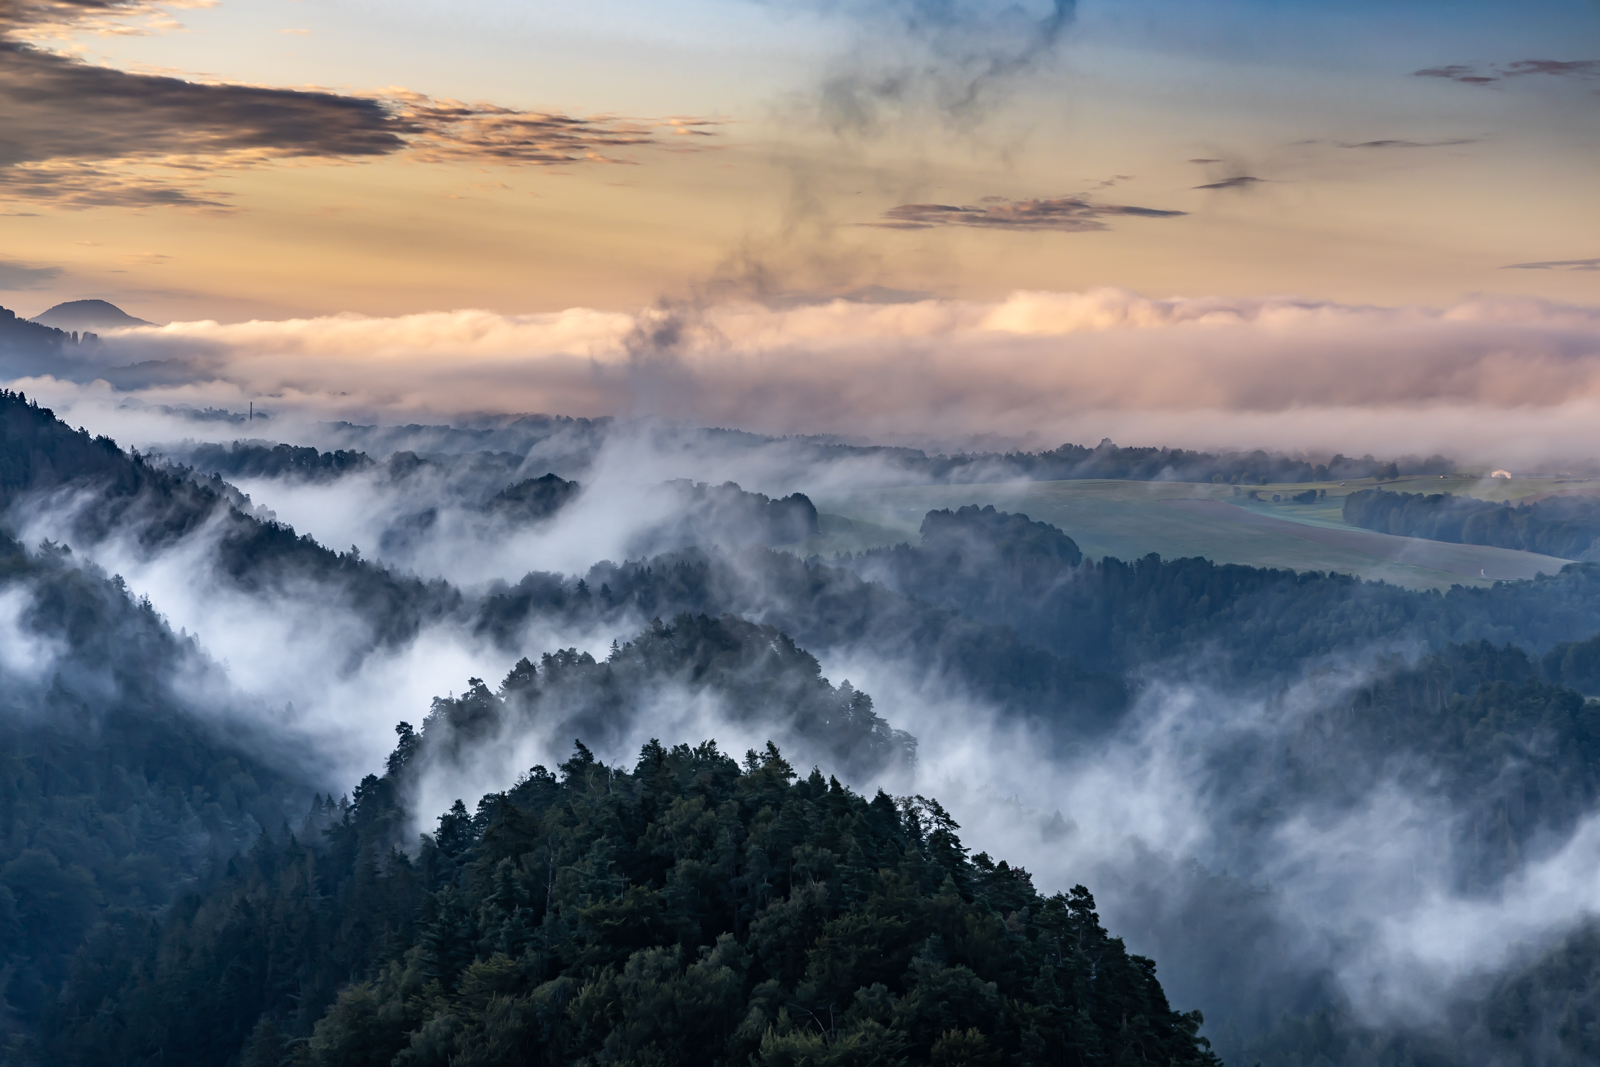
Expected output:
(1564, 527)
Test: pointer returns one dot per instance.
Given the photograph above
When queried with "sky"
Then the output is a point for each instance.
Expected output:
(240, 160)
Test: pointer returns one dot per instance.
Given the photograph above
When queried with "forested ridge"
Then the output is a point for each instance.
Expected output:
(1251, 622)
(571, 445)
(115, 793)
(756, 673)
(693, 909)
(105, 491)
(1564, 527)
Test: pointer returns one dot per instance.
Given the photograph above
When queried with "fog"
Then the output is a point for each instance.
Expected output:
(1492, 380)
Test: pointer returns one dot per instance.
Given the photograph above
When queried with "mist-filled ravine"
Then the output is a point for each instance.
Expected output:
(546, 742)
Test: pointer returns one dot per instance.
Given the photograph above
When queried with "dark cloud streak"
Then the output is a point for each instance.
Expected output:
(1068, 214)
(1472, 75)
(1243, 181)
(15, 277)
(1557, 264)
(1400, 143)
(80, 135)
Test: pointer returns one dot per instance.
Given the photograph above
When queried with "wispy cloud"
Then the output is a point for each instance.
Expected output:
(1557, 264)
(1242, 181)
(15, 276)
(951, 61)
(1402, 143)
(1487, 75)
(1066, 214)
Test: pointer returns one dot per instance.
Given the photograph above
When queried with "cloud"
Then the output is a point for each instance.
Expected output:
(1472, 75)
(1557, 264)
(1504, 380)
(952, 60)
(1583, 68)
(449, 131)
(1396, 143)
(18, 276)
(80, 135)
(1243, 181)
(1067, 214)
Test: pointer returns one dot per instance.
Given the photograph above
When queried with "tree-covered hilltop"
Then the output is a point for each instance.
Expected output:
(533, 499)
(117, 792)
(726, 514)
(32, 348)
(1564, 527)
(826, 609)
(1233, 620)
(690, 910)
(756, 675)
(251, 459)
(493, 483)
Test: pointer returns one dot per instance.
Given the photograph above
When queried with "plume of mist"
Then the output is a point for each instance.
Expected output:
(26, 656)
(956, 60)
(1349, 903)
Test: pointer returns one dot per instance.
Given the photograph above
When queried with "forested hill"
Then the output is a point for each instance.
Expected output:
(1237, 621)
(44, 460)
(1564, 527)
(1107, 460)
(757, 677)
(118, 790)
(494, 484)
(691, 909)
(824, 609)
(31, 348)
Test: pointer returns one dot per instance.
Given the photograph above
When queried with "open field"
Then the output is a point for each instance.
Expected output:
(1219, 522)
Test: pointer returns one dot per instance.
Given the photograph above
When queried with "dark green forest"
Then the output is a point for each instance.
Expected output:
(1564, 527)
(693, 909)
(1251, 622)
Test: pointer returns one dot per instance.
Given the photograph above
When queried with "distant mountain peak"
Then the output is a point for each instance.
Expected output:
(88, 315)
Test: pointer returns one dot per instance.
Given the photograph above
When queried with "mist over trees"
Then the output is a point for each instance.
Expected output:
(568, 447)
(116, 792)
(183, 879)
(1249, 622)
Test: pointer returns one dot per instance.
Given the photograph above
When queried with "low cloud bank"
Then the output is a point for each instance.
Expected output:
(1490, 379)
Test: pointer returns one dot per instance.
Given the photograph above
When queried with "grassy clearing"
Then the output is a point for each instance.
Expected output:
(1132, 519)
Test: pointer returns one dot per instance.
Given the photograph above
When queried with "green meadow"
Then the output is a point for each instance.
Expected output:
(1219, 522)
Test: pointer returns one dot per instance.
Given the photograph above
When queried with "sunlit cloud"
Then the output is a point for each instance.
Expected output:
(1503, 378)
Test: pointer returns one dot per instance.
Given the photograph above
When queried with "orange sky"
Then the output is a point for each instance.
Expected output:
(1371, 184)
